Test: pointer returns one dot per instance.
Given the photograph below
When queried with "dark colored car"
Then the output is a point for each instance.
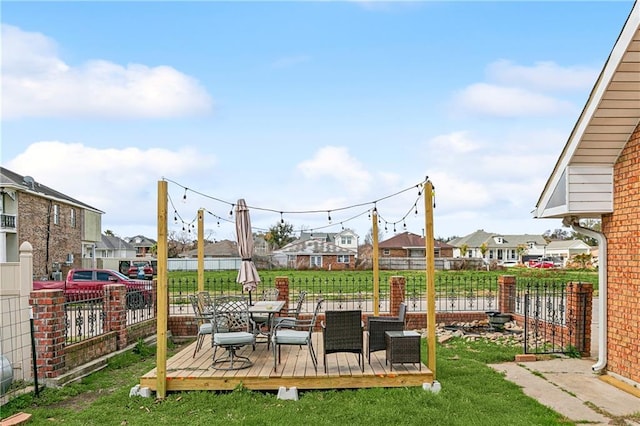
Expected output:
(140, 270)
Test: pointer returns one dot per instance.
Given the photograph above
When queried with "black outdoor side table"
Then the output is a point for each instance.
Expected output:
(402, 347)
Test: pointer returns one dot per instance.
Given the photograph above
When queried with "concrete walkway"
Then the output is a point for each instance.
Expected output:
(569, 387)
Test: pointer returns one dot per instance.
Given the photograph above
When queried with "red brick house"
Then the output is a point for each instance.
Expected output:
(315, 254)
(598, 176)
(408, 244)
(62, 230)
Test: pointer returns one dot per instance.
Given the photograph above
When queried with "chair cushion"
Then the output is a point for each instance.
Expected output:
(234, 338)
(205, 328)
(290, 337)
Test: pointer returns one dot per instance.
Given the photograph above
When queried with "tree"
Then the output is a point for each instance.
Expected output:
(592, 224)
(280, 235)
(463, 250)
(521, 250)
(483, 249)
(109, 233)
(557, 234)
(368, 239)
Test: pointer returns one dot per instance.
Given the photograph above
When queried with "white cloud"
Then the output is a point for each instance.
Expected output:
(337, 164)
(36, 82)
(454, 143)
(513, 90)
(544, 75)
(120, 182)
(501, 101)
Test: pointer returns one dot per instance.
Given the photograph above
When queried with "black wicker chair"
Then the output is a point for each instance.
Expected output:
(342, 331)
(376, 326)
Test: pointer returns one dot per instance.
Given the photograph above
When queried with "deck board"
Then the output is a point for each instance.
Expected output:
(185, 372)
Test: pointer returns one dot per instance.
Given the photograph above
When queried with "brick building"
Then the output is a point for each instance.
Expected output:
(62, 231)
(598, 176)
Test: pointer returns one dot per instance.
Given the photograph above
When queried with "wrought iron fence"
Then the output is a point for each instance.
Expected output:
(453, 293)
(84, 319)
(139, 306)
(549, 326)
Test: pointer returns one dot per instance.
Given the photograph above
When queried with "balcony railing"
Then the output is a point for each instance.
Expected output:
(7, 221)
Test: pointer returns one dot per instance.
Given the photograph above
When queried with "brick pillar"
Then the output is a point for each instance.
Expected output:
(48, 325)
(579, 313)
(507, 294)
(397, 286)
(115, 312)
(282, 284)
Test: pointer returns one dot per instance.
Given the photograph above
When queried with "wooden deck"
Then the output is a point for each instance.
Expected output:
(296, 369)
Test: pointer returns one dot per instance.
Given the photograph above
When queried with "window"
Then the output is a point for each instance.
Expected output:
(345, 240)
(103, 276)
(56, 214)
(531, 244)
(315, 261)
(386, 252)
(343, 258)
(82, 276)
(73, 218)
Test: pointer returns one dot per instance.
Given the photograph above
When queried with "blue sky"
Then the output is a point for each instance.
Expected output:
(300, 106)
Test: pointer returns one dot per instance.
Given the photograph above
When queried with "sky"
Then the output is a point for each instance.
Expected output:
(309, 111)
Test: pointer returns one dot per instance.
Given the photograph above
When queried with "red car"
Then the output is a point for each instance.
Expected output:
(140, 270)
(544, 264)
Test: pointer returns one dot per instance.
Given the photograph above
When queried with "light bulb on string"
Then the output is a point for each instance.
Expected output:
(281, 218)
(218, 223)
(231, 211)
(404, 225)
(416, 212)
(184, 197)
(175, 217)
(385, 227)
(394, 228)
(329, 216)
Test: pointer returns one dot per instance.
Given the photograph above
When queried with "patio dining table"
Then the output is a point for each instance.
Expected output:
(269, 307)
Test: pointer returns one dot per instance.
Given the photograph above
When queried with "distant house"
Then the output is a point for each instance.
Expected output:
(62, 230)
(315, 254)
(566, 249)
(219, 249)
(597, 175)
(408, 244)
(499, 247)
(142, 245)
(345, 239)
(111, 246)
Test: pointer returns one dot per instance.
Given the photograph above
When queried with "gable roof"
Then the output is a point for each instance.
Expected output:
(567, 244)
(479, 237)
(224, 248)
(610, 116)
(13, 180)
(310, 247)
(140, 241)
(407, 240)
(113, 243)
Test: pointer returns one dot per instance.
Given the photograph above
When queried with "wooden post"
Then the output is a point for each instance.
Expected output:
(376, 272)
(201, 250)
(431, 275)
(163, 296)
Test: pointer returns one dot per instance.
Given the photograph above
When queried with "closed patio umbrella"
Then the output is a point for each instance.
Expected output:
(248, 274)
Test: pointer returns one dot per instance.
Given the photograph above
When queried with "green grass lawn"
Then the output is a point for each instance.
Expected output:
(472, 394)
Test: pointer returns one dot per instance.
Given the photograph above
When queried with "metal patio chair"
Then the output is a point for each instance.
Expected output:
(203, 321)
(232, 330)
(294, 331)
(288, 314)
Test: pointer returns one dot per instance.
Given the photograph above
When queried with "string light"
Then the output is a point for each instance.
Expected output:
(369, 211)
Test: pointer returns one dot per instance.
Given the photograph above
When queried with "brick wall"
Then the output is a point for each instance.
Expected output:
(51, 242)
(622, 230)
